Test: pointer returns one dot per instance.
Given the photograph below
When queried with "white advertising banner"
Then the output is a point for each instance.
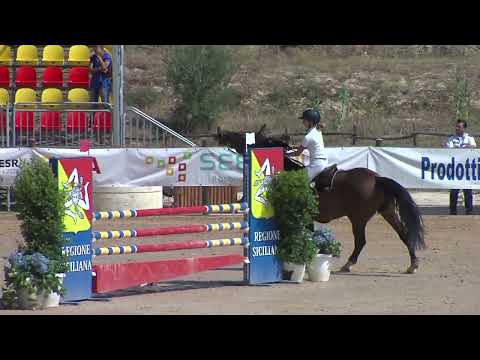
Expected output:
(347, 158)
(144, 167)
(9, 164)
(415, 168)
(162, 167)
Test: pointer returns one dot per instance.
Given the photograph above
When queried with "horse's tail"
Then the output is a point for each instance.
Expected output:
(408, 211)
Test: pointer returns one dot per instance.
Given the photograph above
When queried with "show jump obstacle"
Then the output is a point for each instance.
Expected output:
(260, 232)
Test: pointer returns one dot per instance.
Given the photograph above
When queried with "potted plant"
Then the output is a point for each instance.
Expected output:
(38, 266)
(33, 281)
(295, 207)
(328, 247)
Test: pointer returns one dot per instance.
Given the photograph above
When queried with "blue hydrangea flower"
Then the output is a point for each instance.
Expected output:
(17, 259)
(40, 263)
(323, 235)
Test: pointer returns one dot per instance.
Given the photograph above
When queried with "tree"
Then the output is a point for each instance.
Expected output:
(199, 76)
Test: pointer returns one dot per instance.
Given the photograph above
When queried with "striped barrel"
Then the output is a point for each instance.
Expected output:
(194, 244)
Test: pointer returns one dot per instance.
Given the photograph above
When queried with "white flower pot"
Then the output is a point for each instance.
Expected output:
(52, 299)
(319, 269)
(293, 272)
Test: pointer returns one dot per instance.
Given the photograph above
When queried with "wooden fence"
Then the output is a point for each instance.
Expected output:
(353, 135)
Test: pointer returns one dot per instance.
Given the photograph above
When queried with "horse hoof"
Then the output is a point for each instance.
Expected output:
(345, 269)
(411, 270)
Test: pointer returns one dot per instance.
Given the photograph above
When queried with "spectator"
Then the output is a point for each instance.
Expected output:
(461, 140)
(95, 79)
(101, 69)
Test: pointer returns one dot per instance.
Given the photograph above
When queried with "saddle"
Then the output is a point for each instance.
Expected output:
(323, 181)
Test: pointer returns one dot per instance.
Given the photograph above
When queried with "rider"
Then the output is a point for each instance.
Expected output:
(313, 142)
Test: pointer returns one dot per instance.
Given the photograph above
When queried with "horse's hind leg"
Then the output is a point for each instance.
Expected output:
(390, 215)
(358, 227)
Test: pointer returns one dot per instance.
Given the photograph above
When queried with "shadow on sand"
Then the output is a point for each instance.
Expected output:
(443, 210)
(373, 274)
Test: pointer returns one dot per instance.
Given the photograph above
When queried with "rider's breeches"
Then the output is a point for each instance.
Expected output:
(315, 170)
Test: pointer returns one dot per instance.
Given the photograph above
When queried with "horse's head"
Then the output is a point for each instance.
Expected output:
(231, 139)
(276, 141)
(237, 140)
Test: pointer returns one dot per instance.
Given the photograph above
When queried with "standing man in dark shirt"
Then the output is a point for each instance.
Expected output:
(95, 78)
(101, 69)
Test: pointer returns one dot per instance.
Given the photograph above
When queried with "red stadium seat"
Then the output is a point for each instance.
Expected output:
(53, 77)
(50, 120)
(4, 77)
(78, 77)
(103, 121)
(76, 121)
(3, 120)
(24, 120)
(26, 77)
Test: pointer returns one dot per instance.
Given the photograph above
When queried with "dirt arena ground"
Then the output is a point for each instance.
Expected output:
(448, 281)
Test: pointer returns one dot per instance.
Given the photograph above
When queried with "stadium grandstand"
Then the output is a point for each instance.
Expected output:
(45, 101)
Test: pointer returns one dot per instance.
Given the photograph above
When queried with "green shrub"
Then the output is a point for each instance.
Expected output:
(38, 260)
(295, 208)
(344, 96)
(40, 207)
(199, 76)
(462, 95)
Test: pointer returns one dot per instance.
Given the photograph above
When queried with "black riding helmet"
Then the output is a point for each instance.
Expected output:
(312, 115)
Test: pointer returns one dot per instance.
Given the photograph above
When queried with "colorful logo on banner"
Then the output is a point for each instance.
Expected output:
(75, 178)
(171, 163)
(264, 266)
(265, 165)
(78, 214)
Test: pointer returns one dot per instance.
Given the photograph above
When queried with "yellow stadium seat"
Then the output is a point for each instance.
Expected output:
(25, 95)
(3, 97)
(109, 48)
(3, 113)
(53, 54)
(27, 54)
(5, 54)
(79, 55)
(78, 95)
(52, 96)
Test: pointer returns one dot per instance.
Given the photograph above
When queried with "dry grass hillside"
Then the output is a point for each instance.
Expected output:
(384, 90)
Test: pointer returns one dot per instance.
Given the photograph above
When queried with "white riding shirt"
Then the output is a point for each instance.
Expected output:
(313, 142)
(455, 141)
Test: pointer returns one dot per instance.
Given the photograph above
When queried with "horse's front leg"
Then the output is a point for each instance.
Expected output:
(358, 228)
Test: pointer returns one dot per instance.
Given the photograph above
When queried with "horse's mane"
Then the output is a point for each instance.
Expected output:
(237, 141)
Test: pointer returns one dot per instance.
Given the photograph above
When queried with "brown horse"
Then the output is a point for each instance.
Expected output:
(358, 194)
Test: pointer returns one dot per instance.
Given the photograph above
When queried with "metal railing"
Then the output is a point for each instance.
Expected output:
(142, 130)
(6, 196)
(60, 124)
(5, 126)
